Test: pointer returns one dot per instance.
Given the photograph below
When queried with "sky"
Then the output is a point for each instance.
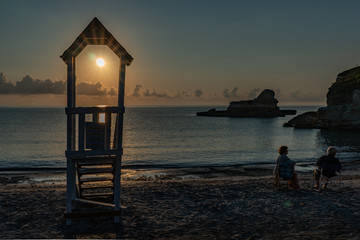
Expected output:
(185, 52)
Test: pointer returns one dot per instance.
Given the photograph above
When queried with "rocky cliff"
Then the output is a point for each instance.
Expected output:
(265, 105)
(343, 105)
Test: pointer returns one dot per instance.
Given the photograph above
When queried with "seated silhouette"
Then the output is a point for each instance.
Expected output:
(285, 169)
(328, 165)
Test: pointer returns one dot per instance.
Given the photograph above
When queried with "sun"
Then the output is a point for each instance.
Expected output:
(100, 62)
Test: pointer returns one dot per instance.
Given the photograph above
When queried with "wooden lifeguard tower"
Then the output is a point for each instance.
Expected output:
(94, 148)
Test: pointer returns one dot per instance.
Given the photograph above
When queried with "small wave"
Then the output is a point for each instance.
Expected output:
(33, 169)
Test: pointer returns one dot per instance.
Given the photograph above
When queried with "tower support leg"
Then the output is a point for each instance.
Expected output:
(117, 187)
(70, 187)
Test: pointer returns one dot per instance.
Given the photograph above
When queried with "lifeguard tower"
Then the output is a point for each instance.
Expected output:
(94, 147)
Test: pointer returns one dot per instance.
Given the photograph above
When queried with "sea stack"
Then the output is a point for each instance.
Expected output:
(265, 105)
(343, 106)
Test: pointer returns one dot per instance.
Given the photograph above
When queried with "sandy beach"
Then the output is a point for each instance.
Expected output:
(206, 203)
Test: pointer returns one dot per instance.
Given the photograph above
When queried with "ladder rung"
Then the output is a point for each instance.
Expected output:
(102, 158)
(95, 162)
(95, 187)
(90, 195)
(100, 179)
(83, 171)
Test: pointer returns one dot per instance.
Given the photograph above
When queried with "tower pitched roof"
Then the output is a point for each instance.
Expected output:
(95, 34)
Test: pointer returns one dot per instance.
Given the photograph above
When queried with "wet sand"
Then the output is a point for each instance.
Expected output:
(203, 203)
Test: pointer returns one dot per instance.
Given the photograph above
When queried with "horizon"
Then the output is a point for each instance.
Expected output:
(159, 106)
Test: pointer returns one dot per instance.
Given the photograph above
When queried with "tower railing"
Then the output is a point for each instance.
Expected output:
(94, 137)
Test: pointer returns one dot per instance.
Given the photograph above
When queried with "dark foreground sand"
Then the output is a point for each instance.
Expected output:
(209, 204)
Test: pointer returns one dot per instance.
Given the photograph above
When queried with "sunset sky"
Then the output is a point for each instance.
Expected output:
(185, 52)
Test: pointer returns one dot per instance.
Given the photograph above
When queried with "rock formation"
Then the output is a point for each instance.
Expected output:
(265, 105)
(343, 106)
(305, 120)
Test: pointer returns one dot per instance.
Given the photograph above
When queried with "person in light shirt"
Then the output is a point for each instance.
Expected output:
(288, 170)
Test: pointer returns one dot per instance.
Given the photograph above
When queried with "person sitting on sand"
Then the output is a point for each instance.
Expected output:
(329, 164)
(283, 159)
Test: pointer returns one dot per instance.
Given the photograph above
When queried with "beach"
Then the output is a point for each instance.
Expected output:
(198, 203)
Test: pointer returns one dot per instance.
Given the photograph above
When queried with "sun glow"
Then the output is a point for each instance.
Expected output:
(100, 62)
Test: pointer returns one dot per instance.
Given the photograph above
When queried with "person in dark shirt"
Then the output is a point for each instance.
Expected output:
(329, 164)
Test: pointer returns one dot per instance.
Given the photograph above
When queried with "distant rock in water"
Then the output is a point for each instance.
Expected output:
(304, 120)
(265, 105)
(343, 106)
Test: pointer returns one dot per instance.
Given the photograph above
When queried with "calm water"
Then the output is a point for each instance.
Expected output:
(170, 137)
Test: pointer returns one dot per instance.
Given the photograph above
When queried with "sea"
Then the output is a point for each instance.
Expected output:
(171, 137)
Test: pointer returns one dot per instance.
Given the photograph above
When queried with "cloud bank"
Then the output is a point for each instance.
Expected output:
(254, 93)
(30, 86)
(198, 93)
(94, 89)
(136, 91)
(155, 94)
(225, 95)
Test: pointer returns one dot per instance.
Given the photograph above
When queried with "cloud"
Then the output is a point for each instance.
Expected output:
(230, 94)
(181, 95)
(94, 89)
(5, 86)
(30, 86)
(254, 93)
(136, 91)
(157, 94)
(112, 92)
(277, 92)
(198, 93)
(295, 95)
(154, 94)
(299, 96)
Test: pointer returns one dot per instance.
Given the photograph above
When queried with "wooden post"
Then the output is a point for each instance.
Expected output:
(81, 126)
(107, 130)
(120, 121)
(70, 103)
(70, 165)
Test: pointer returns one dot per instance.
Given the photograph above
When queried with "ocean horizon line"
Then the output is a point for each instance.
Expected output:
(161, 106)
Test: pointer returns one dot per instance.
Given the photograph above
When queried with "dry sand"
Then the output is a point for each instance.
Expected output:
(218, 203)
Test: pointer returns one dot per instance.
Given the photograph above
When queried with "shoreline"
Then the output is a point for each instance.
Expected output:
(353, 160)
(224, 203)
(19, 175)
